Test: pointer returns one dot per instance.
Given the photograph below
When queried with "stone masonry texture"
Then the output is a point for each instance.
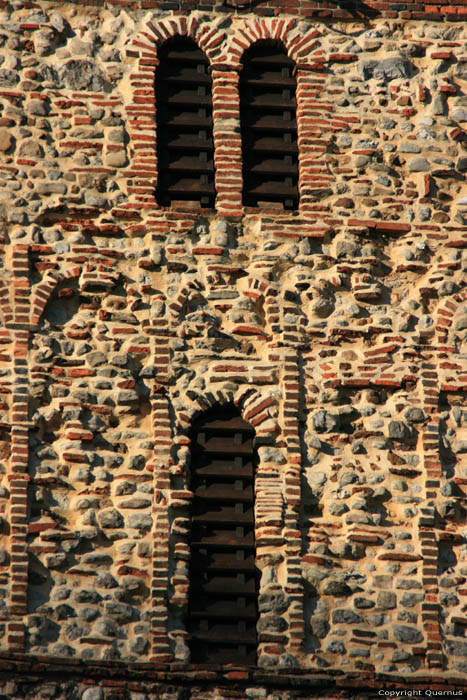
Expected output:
(339, 331)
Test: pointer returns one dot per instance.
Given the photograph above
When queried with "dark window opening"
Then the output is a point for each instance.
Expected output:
(269, 127)
(185, 151)
(223, 577)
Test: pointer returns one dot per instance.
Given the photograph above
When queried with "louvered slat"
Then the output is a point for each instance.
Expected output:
(184, 124)
(269, 129)
(223, 576)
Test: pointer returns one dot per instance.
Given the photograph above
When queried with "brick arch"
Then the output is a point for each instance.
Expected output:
(297, 45)
(205, 32)
(44, 290)
(268, 293)
(142, 104)
(190, 290)
(250, 401)
(446, 312)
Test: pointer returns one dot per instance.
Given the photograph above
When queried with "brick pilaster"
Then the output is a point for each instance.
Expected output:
(18, 475)
(429, 548)
(227, 142)
(162, 444)
(292, 534)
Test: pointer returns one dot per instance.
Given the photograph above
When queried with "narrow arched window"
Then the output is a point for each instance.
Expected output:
(269, 127)
(185, 154)
(223, 577)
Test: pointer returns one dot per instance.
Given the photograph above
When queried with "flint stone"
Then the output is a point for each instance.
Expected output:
(94, 359)
(54, 561)
(397, 430)
(37, 107)
(272, 623)
(336, 588)
(82, 75)
(127, 395)
(89, 614)
(363, 603)
(386, 600)
(31, 149)
(140, 521)
(121, 612)
(447, 582)
(8, 78)
(116, 135)
(419, 165)
(270, 454)
(51, 188)
(375, 620)
(74, 631)
(319, 626)
(124, 488)
(448, 599)
(387, 69)
(138, 645)
(408, 600)
(406, 584)
(414, 415)
(459, 115)
(335, 647)
(324, 421)
(64, 611)
(85, 596)
(382, 581)
(358, 516)
(136, 503)
(93, 694)
(407, 634)
(95, 200)
(106, 581)
(409, 148)
(347, 617)
(456, 648)
(6, 140)
(107, 628)
(62, 650)
(116, 159)
(110, 518)
(273, 602)
(317, 478)
(337, 508)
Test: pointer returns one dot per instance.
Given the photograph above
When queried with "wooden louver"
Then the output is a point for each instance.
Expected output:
(223, 577)
(269, 127)
(185, 155)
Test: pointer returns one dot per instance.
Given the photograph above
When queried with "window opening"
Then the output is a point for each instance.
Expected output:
(223, 576)
(185, 152)
(269, 127)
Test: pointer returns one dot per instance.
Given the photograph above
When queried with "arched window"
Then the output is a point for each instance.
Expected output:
(184, 124)
(223, 577)
(269, 127)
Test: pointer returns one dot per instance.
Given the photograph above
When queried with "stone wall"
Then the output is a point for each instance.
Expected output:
(338, 330)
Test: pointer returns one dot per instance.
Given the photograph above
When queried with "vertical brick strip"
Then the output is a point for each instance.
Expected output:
(292, 533)
(18, 476)
(162, 442)
(227, 142)
(313, 129)
(429, 549)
